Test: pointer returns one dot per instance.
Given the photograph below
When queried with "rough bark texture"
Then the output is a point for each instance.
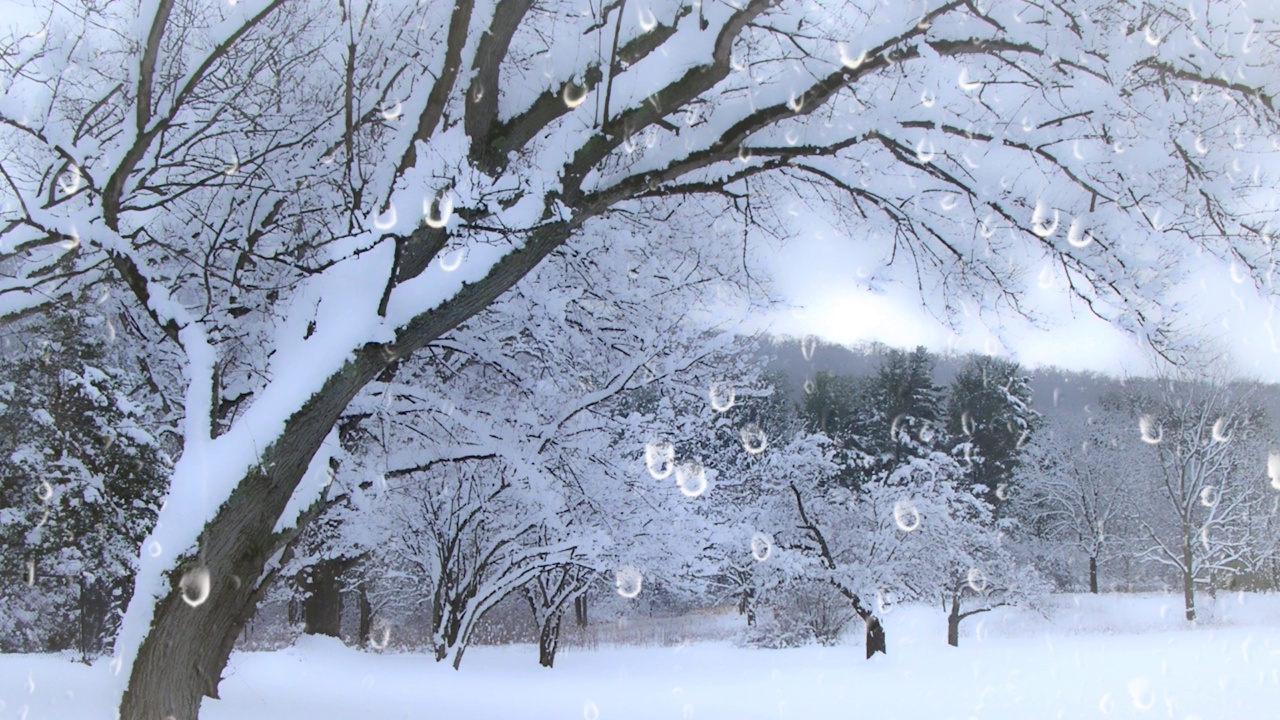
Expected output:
(182, 658)
(549, 640)
(953, 622)
(580, 610)
(322, 607)
(875, 635)
(1188, 582)
(1093, 575)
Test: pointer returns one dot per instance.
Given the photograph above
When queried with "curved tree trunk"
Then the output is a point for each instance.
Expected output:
(182, 657)
(549, 640)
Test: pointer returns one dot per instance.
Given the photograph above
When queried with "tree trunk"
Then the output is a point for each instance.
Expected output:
(1188, 582)
(953, 622)
(322, 607)
(747, 606)
(1093, 575)
(875, 635)
(366, 616)
(549, 640)
(580, 610)
(186, 648)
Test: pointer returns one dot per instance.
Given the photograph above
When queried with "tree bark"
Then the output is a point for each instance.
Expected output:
(875, 635)
(549, 640)
(1093, 575)
(1188, 582)
(182, 657)
(580, 610)
(322, 607)
(953, 622)
(366, 616)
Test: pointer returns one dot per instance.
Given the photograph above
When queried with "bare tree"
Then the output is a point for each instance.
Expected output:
(297, 195)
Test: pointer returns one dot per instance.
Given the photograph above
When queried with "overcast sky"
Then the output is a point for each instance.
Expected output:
(824, 274)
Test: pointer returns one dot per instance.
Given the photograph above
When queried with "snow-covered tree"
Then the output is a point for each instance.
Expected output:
(81, 480)
(1205, 441)
(298, 195)
(989, 409)
(1080, 484)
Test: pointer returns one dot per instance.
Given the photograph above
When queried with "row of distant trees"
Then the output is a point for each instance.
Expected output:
(565, 476)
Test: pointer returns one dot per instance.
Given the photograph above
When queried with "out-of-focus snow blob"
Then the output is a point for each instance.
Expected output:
(928, 99)
(754, 440)
(590, 711)
(437, 211)
(1038, 219)
(761, 547)
(660, 457)
(906, 515)
(628, 581)
(573, 95)
(924, 150)
(850, 61)
(977, 580)
(808, 345)
(1142, 694)
(926, 434)
(808, 386)
(392, 112)
(648, 21)
(195, 586)
(1273, 469)
(386, 220)
(691, 478)
(965, 83)
(45, 491)
(1219, 431)
(1152, 434)
(453, 260)
(379, 634)
(70, 181)
(721, 396)
(1078, 237)
(1209, 496)
(154, 548)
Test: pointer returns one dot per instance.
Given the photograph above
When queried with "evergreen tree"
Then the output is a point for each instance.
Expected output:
(989, 412)
(81, 479)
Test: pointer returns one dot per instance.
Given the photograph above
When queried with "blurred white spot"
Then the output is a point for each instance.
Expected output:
(195, 586)
(379, 634)
(453, 260)
(1142, 694)
(31, 572)
(73, 242)
(928, 100)
(922, 154)
(906, 515)
(1038, 218)
(691, 478)
(977, 580)
(437, 211)
(647, 19)
(754, 440)
(392, 112)
(948, 202)
(70, 181)
(761, 547)
(1076, 236)
(1219, 431)
(721, 395)
(1151, 433)
(659, 457)
(387, 220)
(1151, 37)
(795, 102)
(853, 63)
(628, 581)
(1209, 496)
(808, 345)
(154, 549)
(45, 491)
(1002, 491)
(1273, 469)
(573, 95)
(965, 83)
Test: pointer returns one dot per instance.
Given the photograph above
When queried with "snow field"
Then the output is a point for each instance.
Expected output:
(1110, 656)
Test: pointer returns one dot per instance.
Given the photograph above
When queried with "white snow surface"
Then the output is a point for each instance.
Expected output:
(1087, 657)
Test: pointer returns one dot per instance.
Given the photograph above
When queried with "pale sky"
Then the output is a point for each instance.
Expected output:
(824, 273)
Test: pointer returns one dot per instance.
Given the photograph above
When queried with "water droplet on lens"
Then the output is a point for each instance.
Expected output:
(1038, 218)
(1209, 496)
(453, 260)
(391, 112)
(1002, 491)
(924, 150)
(195, 586)
(70, 181)
(850, 61)
(660, 457)
(45, 491)
(1273, 469)
(437, 211)
(926, 434)
(965, 83)
(721, 396)
(647, 19)
(628, 581)
(379, 634)
(906, 515)
(808, 345)
(753, 439)
(573, 95)
(977, 580)
(387, 220)
(761, 547)
(691, 478)
(1151, 433)
(1219, 432)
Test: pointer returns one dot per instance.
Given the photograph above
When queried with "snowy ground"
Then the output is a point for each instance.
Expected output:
(1109, 656)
